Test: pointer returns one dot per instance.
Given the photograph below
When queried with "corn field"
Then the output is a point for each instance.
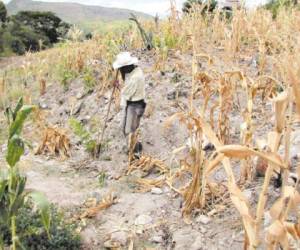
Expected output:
(241, 70)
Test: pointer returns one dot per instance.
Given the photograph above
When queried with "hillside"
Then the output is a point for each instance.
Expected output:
(66, 11)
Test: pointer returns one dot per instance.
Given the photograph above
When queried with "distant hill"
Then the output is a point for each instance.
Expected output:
(74, 12)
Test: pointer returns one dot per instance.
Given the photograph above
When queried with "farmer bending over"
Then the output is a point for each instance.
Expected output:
(132, 95)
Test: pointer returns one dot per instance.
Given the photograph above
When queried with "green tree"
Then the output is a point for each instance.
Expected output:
(275, 5)
(43, 23)
(209, 5)
(3, 12)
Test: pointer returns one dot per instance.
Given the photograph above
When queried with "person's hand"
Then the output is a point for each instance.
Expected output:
(117, 84)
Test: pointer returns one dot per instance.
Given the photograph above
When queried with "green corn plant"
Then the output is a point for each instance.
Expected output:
(84, 135)
(146, 36)
(12, 184)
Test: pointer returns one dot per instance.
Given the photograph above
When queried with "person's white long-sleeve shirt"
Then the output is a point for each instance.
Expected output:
(134, 89)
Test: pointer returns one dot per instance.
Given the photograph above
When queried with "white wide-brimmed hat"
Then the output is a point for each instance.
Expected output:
(124, 59)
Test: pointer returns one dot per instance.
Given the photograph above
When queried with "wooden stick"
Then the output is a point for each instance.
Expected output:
(100, 139)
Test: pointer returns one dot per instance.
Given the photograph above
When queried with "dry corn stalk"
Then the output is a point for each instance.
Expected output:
(147, 164)
(145, 185)
(95, 208)
(225, 104)
(55, 142)
(205, 87)
(42, 82)
(2, 87)
(198, 191)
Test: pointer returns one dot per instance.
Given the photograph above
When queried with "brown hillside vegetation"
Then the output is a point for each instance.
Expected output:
(223, 107)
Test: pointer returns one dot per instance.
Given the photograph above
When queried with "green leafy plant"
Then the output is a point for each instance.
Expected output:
(33, 235)
(12, 183)
(208, 5)
(89, 79)
(275, 5)
(84, 135)
(3, 12)
(66, 76)
(101, 179)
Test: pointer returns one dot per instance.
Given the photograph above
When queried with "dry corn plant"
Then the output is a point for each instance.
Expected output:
(226, 92)
(233, 33)
(143, 185)
(252, 222)
(199, 191)
(147, 165)
(93, 208)
(132, 142)
(54, 142)
(2, 90)
(278, 232)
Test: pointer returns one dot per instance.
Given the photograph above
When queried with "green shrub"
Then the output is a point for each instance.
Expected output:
(84, 135)
(28, 30)
(208, 5)
(89, 79)
(66, 75)
(43, 23)
(28, 36)
(275, 5)
(3, 12)
(33, 236)
(17, 46)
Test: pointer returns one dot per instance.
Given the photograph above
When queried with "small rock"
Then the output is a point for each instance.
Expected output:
(97, 196)
(80, 95)
(120, 237)
(157, 239)
(143, 220)
(138, 173)
(203, 230)
(267, 220)
(83, 93)
(248, 194)
(43, 105)
(77, 108)
(166, 190)
(85, 119)
(203, 219)
(110, 244)
(176, 93)
(139, 231)
(156, 190)
(171, 95)
(198, 243)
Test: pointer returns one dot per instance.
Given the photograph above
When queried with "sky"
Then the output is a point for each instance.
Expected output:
(148, 6)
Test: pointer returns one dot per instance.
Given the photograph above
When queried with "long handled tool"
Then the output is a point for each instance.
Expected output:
(100, 138)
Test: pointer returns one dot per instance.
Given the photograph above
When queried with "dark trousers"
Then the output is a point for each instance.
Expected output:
(133, 114)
